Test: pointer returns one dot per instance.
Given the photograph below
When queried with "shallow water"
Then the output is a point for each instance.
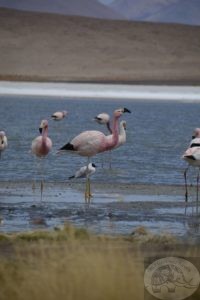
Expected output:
(157, 135)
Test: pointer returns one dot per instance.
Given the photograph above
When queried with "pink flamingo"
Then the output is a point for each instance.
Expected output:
(3, 142)
(92, 142)
(192, 157)
(42, 145)
(59, 115)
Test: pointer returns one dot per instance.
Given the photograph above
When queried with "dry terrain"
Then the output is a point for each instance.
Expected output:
(47, 47)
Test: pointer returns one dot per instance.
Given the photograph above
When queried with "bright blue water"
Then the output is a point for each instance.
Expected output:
(157, 134)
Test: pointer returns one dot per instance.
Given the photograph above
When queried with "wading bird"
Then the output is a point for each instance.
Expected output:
(192, 157)
(42, 145)
(103, 119)
(85, 172)
(92, 142)
(3, 141)
(59, 115)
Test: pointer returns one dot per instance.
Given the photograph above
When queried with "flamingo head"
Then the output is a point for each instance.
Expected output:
(102, 118)
(118, 112)
(196, 133)
(43, 125)
(2, 134)
(64, 113)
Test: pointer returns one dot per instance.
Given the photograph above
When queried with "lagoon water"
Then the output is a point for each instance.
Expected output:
(158, 132)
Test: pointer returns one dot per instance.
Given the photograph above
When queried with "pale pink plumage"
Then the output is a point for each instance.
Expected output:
(91, 142)
(42, 144)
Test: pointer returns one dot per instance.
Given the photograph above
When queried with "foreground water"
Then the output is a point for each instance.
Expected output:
(158, 132)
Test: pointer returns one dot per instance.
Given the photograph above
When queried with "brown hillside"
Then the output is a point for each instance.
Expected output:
(38, 46)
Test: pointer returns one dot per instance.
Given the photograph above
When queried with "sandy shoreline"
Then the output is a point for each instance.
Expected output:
(100, 91)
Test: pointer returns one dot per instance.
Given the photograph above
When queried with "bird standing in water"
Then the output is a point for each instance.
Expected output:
(91, 142)
(3, 142)
(85, 172)
(192, 157)
(42, 145)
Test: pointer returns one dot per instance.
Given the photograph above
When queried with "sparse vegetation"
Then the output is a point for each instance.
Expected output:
(70, 263)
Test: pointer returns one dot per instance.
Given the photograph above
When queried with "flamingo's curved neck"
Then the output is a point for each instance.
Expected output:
(44, 134)
(112, 142)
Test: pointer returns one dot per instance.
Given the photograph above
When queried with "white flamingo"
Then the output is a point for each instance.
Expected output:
(104, 119)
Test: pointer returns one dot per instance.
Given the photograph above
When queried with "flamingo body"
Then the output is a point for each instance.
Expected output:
(91, 142)
(42, 144)
(59, 115)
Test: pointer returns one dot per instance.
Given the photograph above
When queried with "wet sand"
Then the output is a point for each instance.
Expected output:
(114, 209)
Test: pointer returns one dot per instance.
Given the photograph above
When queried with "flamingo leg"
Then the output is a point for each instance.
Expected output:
(186, 186)
(110, 159)
(41, 189)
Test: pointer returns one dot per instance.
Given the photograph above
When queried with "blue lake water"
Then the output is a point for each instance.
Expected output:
(157, 135)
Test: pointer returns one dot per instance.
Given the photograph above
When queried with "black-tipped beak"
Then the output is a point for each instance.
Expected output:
(126, 110)
(40, 130)
(94, 166)
(193, 137)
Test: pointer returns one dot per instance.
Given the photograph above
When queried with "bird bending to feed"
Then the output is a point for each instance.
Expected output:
(103, 119)
(92, 142)
(42, 144)
(192, 157)
(3, 141)
(59, 115)
(85, 172)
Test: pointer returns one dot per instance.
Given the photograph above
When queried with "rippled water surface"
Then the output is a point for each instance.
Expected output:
(157, 134)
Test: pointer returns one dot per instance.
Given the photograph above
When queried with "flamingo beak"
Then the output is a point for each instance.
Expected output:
(126, 110)
(40, 130)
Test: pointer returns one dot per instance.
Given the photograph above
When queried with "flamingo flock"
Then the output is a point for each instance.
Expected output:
(88, 143)
(92, 142)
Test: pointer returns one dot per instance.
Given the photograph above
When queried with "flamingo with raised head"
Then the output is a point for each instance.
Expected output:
(92, 142)
(3, 142)
(192, 157)
(42, 145)
(103, 119)
(59, 115)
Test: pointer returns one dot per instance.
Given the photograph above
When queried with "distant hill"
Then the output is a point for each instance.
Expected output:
(47, 47)
(89, 8)
(184, 11)
(169, 11)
